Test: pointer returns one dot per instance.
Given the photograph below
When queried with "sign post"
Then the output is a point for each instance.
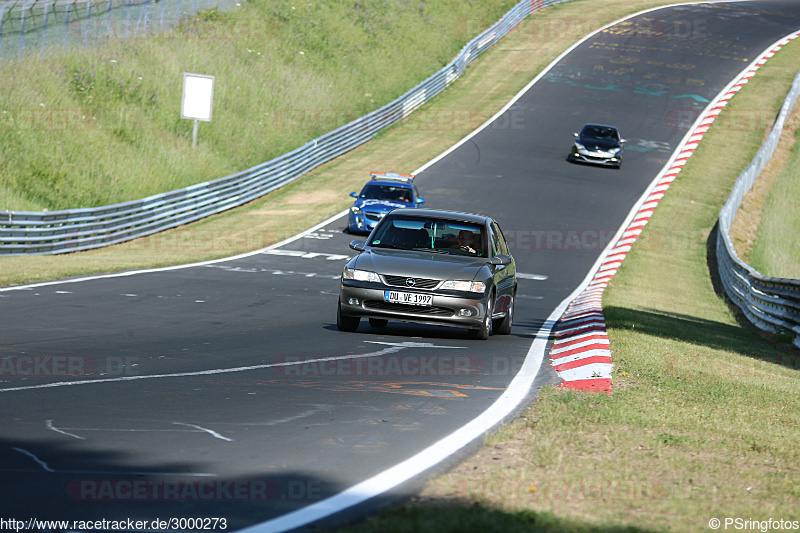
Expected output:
(197, 102)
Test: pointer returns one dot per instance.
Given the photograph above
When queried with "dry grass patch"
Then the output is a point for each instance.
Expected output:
(748, 219)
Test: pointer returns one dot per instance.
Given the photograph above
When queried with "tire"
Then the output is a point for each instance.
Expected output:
(483, 332)
(378, 322)
(346, 323)
(505, 323)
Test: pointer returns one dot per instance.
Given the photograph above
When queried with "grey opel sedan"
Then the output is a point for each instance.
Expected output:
(432, 267)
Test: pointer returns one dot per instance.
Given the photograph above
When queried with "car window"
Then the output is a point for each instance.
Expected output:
(600, 132)
(495, 243)
(390, 193)
(436, 235)
(500, 238)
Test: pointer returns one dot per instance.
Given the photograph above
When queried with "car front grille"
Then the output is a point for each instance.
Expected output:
(419, 283)
(374, 216)
(412, 309)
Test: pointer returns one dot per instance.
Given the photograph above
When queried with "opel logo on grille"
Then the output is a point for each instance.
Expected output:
(410, 282)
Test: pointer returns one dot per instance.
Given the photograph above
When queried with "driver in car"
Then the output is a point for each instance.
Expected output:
(466, 241)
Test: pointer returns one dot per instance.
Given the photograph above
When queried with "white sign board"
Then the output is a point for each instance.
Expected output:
(198, 97)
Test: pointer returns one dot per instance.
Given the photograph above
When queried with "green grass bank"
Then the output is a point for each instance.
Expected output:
(776, 250)
(95, 126)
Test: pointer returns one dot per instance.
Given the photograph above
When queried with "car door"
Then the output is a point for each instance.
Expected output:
(504, 275)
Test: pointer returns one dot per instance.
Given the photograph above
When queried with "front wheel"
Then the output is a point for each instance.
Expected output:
(485, 330)
(504, 327)
(345, 323)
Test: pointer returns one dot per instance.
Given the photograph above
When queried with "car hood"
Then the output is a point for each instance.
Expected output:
(378, 206)
(412, 263)
(595, 144)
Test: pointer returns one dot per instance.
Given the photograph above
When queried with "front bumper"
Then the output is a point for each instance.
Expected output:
(362, 222)
(365, 300)
(599, 158)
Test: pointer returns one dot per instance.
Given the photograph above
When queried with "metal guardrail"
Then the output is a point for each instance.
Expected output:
(81, 229)
(772, 304)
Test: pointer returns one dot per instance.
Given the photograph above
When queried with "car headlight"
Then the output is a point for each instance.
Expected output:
(614, 151)
(464, 286)
(355, 210)
(579, 146)
(360, 275)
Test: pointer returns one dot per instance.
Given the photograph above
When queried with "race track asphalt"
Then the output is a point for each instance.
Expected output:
(178, 393)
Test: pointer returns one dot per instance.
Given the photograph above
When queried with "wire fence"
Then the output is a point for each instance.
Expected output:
(42, 25)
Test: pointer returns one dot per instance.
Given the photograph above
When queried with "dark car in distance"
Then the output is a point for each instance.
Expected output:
(433, 267)
(599, 144)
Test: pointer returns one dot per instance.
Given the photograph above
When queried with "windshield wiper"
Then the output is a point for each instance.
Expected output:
(433, 250)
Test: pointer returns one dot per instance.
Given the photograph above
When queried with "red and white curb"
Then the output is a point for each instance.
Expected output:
(581, 353)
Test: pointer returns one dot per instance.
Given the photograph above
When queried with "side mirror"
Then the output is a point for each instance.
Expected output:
(358, 245)
(575, 134)
(354, 194)
(420, 200)
(500, 260)
(622, 141)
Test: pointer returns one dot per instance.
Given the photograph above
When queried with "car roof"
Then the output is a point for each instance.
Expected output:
(389, 182)
(440, 213)
(592, 124)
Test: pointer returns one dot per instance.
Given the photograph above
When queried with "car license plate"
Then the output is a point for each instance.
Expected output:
(409, 298)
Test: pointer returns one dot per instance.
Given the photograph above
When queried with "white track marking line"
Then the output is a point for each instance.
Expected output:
(393, 348)
(49, 425)
(536, 277)
(206, 430)
(180, 267)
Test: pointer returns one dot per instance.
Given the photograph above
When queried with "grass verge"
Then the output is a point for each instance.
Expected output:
(775, 250)
(83, 127)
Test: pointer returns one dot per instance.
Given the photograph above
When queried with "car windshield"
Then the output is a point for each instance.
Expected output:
(390, 193)
(431, 234)
(602, 133)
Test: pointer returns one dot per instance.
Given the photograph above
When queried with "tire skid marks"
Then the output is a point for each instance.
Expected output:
(581, 351)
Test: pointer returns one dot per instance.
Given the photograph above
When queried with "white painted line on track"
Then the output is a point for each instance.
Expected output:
(205, 430)
(179, 267)
(308, 255)
(392, 348)
(535, 277)
(49, 425)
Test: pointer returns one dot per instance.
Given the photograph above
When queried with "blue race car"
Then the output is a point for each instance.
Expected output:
(383, 193)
